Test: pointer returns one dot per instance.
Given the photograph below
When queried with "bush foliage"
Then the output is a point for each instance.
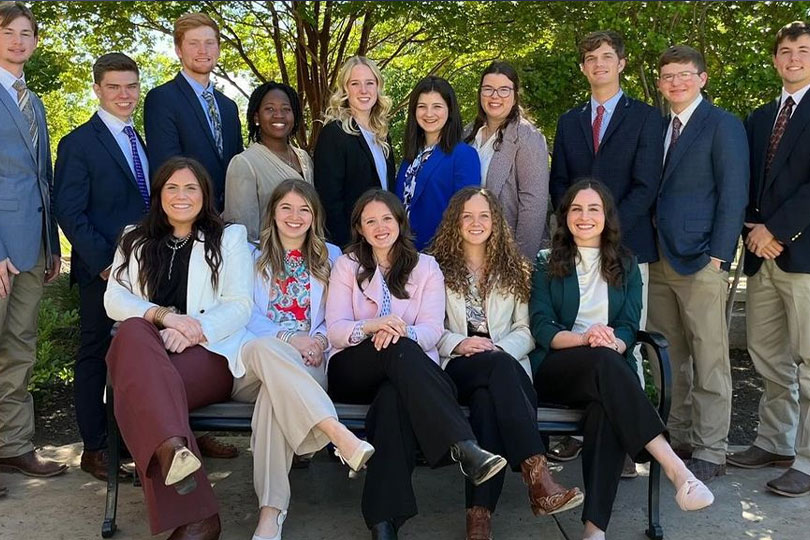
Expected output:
(57, 336)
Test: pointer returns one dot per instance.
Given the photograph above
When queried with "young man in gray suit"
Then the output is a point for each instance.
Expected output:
(29, 242)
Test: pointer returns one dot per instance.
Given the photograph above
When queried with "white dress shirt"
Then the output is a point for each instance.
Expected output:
(116, 127)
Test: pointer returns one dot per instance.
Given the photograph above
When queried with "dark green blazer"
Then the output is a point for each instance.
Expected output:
(554, 305)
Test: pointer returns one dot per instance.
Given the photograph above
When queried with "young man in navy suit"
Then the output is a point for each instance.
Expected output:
(29, 240)
(187, 116)
(698, 217)
(615, 139)
(777, 262)
(101, 185)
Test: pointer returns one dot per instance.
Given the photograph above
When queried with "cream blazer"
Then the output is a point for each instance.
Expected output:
(223, 313)
(507, 319)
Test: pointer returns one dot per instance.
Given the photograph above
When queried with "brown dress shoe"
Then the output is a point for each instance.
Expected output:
(205, 529)
(792, 483)
(568, 449)
(545, 495)
(96, 462)
(211, 447)
(32, 464)
(756, 458)
(479, 523)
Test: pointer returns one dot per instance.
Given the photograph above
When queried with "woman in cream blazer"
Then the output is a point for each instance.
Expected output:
(484, 350)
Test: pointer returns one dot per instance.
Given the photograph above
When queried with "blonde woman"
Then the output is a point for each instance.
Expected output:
(484, 349)
(353, 152)
(285, 363)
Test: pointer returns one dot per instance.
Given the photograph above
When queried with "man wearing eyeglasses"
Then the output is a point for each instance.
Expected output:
(615, 139)
(699, 215)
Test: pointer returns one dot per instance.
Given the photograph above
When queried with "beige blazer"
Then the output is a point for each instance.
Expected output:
(508, 321)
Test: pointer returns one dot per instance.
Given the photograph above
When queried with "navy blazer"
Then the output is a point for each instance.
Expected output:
(782, 200)
(95, 196)
(701, 202)
(175, 124)
(438, 180)
(628, 163)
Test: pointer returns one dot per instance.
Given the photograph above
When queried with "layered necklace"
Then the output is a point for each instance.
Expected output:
(176, 244)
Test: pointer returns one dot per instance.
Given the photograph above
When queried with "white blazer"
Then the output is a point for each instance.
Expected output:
(223, 313)
(507, 319)
(261, 326)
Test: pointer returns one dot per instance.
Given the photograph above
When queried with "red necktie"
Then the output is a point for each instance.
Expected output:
(597, 126)
(778, 131)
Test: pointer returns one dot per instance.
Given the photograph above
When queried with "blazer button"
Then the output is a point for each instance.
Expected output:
(39, 209)
(202, 311)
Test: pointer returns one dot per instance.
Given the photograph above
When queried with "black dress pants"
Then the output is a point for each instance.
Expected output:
(619, 419)
(503, 414)
(90, 371)
(413, 402)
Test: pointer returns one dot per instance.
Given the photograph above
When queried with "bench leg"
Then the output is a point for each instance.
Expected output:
(109, 527)
(654, 530)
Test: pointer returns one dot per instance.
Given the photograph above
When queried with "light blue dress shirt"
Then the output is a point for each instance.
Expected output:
(116, 127)
(6, 80)
(610, 106)
(198, 91)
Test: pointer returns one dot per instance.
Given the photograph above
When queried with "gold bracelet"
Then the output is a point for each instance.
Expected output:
(157, 318)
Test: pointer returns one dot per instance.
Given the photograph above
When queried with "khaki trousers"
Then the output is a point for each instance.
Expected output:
(18, 348)
(777, 313)
(690, 312)
(289, 405)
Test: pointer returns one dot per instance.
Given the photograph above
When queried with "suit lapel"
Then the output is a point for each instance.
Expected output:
(619, 114)
(367, 152)
(109, 143)
(19, 121)
(693, 128)
(570, 303)
(315, 296)
(456, 311)
(795, 126)
(585, 124)
(502, 160)
(195, 105)
(428, 168)
(198, 274)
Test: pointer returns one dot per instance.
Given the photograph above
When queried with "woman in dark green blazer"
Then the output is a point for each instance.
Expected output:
(585, 306)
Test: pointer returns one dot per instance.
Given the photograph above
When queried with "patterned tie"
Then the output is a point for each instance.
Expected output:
(676, 131)
(27, 109)
(778, 131)
(140, 177)
(597, 126)
(208, 96)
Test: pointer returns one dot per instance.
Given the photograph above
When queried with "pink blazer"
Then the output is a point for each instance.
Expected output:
(347, 303)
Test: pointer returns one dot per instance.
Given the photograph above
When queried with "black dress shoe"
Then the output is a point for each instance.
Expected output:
(792, 483)
(477, 464)
(383, 530)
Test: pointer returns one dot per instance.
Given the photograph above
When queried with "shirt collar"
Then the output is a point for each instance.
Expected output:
(797, 95)
(197, 87)
(7, 78)
(115, 124)
(609, 105)
(686, 114)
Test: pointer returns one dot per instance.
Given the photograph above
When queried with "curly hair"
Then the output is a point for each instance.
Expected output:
(505, 267)
(254, 130)
(564, 250)
(338, 109)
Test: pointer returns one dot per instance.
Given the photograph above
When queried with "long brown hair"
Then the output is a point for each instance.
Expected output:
(564, 250)
(146, 241)
(505, 268)
(316, 255)
(403, 255)
(515, 112)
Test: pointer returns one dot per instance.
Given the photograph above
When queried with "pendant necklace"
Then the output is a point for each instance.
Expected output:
(176, 244)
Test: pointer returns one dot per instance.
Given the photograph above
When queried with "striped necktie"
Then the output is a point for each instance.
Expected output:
(27, 110)
(213, 114)
(140, 177)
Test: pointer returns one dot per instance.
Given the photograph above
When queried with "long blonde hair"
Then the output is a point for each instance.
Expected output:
(271, 261)
(339, 111)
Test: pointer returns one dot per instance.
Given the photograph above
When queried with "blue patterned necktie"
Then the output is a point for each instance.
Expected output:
(140, 177)
(27, 110)
(208, 96)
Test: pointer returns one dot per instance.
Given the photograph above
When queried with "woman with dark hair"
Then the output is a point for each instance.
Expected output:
(513, 154)
(437, 163)
(585, 307)
(384, 315)
(180, 287)
(273, 118)
(484, 350)
(284, 365)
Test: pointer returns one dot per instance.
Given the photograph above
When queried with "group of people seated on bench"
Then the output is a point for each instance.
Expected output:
(292, 324)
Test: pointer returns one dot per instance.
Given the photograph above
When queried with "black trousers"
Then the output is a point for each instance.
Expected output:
(90, 371)
(619, 419)
(503, 414)
(413, 403)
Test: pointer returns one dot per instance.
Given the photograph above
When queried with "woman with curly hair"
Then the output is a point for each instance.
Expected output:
(353, 153)
(585, 307)
(484, 350)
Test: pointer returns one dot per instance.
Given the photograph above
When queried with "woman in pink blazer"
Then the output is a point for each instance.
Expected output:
(384, 317)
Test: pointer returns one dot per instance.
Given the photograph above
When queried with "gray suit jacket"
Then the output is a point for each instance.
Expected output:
(518, 176)
(26, 181)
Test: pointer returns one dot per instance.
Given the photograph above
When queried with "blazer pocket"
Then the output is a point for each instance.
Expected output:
(9, 205)
(697, 225)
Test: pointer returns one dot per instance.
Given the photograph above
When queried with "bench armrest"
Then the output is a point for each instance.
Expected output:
(658, 344)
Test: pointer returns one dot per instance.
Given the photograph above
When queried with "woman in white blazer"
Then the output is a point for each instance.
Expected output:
(285, 363)
(180, 286)
(484, 349)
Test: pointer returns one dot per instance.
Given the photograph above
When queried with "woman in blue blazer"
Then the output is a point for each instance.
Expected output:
(585, 306)
(437, 163)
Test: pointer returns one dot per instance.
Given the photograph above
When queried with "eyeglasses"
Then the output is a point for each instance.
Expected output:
(502, 91)
(682, 76)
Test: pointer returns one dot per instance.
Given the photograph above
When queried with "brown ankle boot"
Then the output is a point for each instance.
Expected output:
(545, 495)
(479, 524)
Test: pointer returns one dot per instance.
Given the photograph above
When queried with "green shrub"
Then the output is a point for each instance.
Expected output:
(57, 336)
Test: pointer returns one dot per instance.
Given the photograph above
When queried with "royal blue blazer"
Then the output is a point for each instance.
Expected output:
(440, 177)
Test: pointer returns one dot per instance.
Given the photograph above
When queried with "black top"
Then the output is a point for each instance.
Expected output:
(172, 290)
